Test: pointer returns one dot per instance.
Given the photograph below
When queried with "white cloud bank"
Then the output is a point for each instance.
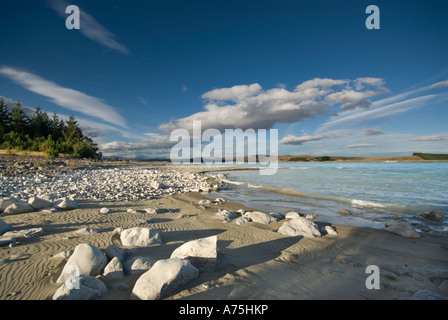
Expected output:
(438, 137)
(249, 106)
(67, 98)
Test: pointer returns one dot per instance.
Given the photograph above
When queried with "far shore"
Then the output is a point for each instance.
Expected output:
(282, 158)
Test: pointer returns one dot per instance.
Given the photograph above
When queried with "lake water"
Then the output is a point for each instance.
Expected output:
(373, 192)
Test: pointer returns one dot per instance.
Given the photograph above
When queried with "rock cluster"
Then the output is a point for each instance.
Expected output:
(80, 278)
(107, 184)
(12, 205)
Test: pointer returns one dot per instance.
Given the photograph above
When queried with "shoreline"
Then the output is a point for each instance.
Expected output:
(254, 261)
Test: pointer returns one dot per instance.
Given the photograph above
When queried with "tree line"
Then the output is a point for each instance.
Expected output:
(40, 132)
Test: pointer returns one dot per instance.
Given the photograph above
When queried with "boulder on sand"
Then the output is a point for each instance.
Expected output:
(402, 228)
(83, 288)
(38, 203)
(66, 204)
(259, 217)
(300, 227)
(201, 253)
(86, 259)
(6, 202)
(140, 237)
(163, 279)
(18, 208)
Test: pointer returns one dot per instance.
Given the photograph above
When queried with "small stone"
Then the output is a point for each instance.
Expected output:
(402, 228)
(345, 212)
(87, 231)
(105, 210)
(435, 215)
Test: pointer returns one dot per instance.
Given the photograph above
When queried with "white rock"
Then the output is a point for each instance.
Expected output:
(163, 279)
(219, 200)
(204, 202)
(202, 253)
(300, 227)
(105, 210)
(157, 185)
(402, 228)
(6, 202)
(4, 227)
(292, 215)
(226, 215)
(241, 220)
(49, 210)
(66, 204)
(138, 264)
(259, 217)
(87, 231)
(64, 254)
(156, 210)
(49, 197)
(89, 260)
(114, 269)
(140, 237)
(25, 233)
(18, 208)
(38, 203)
(330, 230)
(88, 288)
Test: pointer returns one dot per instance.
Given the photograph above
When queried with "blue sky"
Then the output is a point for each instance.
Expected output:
(136, 70)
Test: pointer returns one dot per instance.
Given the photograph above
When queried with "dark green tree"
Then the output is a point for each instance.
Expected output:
(5, 116)
(56, 127)
(39, 125)
(18, 119)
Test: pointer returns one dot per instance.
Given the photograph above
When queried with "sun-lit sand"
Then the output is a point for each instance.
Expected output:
(254, 261)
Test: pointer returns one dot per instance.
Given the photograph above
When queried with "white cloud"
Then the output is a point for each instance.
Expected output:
(362, 145)
(372, 132)
(300, 140)
(90, 28)
(355, 117)
(432, 138)
(158, 144)
(142, 100)
(234, 93)
(64, 97)
(249, 106)
(440, 84)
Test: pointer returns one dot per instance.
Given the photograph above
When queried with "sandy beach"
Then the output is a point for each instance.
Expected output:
(254, 261)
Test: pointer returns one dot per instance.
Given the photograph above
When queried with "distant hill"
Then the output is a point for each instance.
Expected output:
(416, 157)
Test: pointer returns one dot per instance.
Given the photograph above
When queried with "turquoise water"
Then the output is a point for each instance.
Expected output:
(372, 192)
